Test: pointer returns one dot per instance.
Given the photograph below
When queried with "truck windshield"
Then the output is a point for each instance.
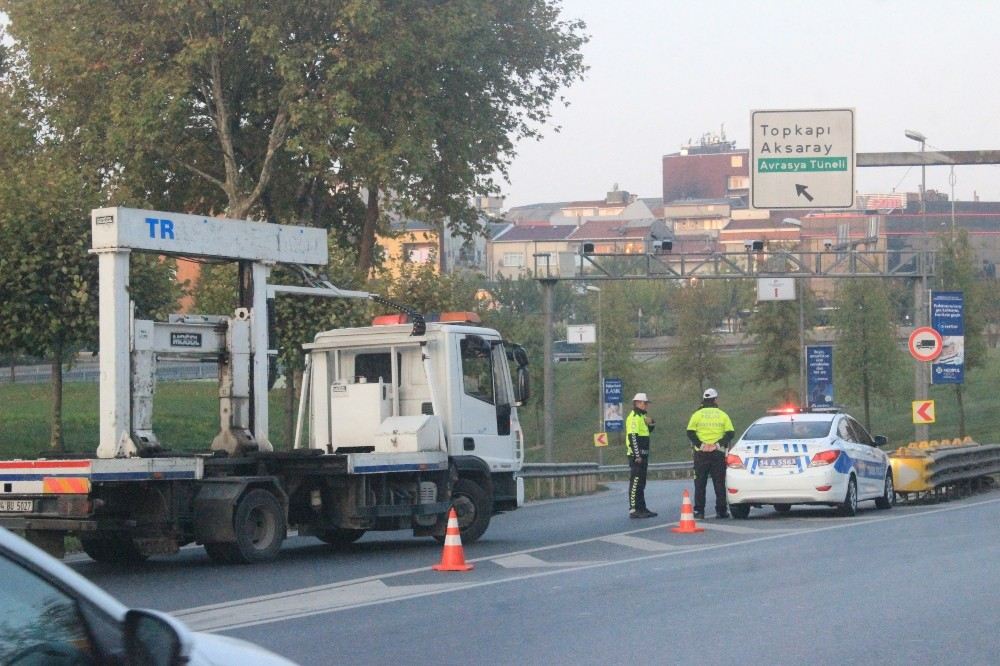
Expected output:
(787, 430)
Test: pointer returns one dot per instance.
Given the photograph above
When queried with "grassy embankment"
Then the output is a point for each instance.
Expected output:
(186, 414)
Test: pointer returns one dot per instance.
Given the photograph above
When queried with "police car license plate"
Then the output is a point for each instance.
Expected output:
(16, 506)
(783, 461)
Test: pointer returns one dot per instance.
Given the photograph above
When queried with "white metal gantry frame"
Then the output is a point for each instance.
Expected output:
(119, 231)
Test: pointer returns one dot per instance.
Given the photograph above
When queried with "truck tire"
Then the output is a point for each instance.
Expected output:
(474, 510)
(112, 549)
(260, 527)
(340, 536)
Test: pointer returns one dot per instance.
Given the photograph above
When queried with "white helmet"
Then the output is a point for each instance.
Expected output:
(640, 397)
(710, 394)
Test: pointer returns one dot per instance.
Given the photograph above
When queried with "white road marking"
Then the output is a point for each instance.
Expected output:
(641, 544)
(221, 616)
(358, 594)
(739, 529)
(525, 561)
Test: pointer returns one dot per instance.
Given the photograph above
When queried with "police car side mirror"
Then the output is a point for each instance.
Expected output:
(880, 440)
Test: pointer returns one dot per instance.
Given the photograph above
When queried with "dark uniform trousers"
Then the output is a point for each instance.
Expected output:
(710, 463)
(637, 483)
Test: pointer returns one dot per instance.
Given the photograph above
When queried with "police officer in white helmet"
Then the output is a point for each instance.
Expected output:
(710, 431)
(638, 425)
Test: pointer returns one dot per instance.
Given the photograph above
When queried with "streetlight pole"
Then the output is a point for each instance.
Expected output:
(600, 373)
(920, 289)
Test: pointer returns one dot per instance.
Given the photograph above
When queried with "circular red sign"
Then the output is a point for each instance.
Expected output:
(925, 343)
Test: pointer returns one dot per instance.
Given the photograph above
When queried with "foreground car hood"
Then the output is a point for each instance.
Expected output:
(215, 650)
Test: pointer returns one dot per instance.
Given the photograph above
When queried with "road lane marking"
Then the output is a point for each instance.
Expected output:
(525, 561)
(740, 529)
(639, 543)
(220, 616)
(269, 608)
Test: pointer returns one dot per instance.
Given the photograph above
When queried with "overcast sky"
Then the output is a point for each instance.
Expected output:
(666, 71)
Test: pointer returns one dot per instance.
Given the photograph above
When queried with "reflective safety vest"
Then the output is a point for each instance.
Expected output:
(710, 424)
(636, 433)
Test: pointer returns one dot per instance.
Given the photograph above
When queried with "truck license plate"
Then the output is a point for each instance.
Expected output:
(17, 506)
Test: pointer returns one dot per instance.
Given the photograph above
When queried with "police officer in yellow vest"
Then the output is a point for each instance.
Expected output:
(638, 425)
(710, 431)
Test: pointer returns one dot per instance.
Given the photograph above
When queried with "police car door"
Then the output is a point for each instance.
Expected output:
(871, 470)
(852, 449)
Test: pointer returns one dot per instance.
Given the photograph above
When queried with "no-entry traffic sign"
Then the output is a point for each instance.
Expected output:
(925, 343)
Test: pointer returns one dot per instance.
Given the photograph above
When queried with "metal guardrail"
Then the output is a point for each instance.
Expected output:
(963, 463)
(42, 374)
(564, 479)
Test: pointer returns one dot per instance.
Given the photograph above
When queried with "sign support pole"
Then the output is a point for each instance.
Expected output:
(920, 431)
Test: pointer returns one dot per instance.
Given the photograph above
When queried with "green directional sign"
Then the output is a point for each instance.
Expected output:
(802, 159)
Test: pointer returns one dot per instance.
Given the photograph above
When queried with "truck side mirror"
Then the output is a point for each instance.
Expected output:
(523, 388)
(520, 356)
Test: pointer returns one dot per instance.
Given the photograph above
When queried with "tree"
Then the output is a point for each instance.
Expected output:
(695, 362)
(956, 271)
(866, 357)
(774, 327)
(48, 281)
(210, 105)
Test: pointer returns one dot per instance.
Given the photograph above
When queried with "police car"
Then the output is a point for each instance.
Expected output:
(802, 457)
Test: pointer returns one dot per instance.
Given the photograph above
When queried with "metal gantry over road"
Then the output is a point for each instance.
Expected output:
(846, 261)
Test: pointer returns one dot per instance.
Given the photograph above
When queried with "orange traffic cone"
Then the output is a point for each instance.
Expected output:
(453, 558)
(687, 524)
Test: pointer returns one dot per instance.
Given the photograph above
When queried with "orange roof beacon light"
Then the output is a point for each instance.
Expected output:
(444, 318)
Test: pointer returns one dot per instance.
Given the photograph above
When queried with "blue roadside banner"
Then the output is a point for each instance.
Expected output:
(819, 375)
(614, 420)
(948, 319)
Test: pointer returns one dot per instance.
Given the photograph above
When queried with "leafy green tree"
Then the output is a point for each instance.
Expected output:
(248, 108)
(956, 271)
(866, 357)
(695, 361)
(774, 329)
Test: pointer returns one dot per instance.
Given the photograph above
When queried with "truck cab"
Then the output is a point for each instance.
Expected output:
(452, 391)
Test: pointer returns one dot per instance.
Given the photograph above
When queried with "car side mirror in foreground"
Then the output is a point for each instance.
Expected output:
(155, 639)
(880, 440)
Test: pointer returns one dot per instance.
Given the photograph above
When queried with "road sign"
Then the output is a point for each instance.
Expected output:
(819, 373)
(614, 421)
(802, 159)
(775, 289)
(923, 412)
(947, 318)
(600, 439)
(925, 343)
(585, 334)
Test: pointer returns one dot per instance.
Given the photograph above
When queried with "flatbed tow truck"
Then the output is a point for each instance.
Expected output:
(397, 422)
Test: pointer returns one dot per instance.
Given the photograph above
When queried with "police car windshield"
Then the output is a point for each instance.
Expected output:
(788, 430)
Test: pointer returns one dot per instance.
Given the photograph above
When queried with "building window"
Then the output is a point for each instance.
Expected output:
(418, 254)
(736, 161)
(513, 259)
(739, 183)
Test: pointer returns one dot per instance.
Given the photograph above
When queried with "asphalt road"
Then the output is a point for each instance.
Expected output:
(576, 581)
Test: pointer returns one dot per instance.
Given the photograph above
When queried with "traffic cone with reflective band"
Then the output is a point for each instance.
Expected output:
(453, 558)
(687, 524)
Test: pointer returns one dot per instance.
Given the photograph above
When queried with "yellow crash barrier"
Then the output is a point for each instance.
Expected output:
(925, 465)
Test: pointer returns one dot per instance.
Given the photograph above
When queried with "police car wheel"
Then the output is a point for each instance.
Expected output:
(740, 511)
(849, 507)
(888, 498)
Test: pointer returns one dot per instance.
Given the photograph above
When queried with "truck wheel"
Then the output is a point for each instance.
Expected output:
(340, 536)
(474, 510)
(112, 549)
(260, 527)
